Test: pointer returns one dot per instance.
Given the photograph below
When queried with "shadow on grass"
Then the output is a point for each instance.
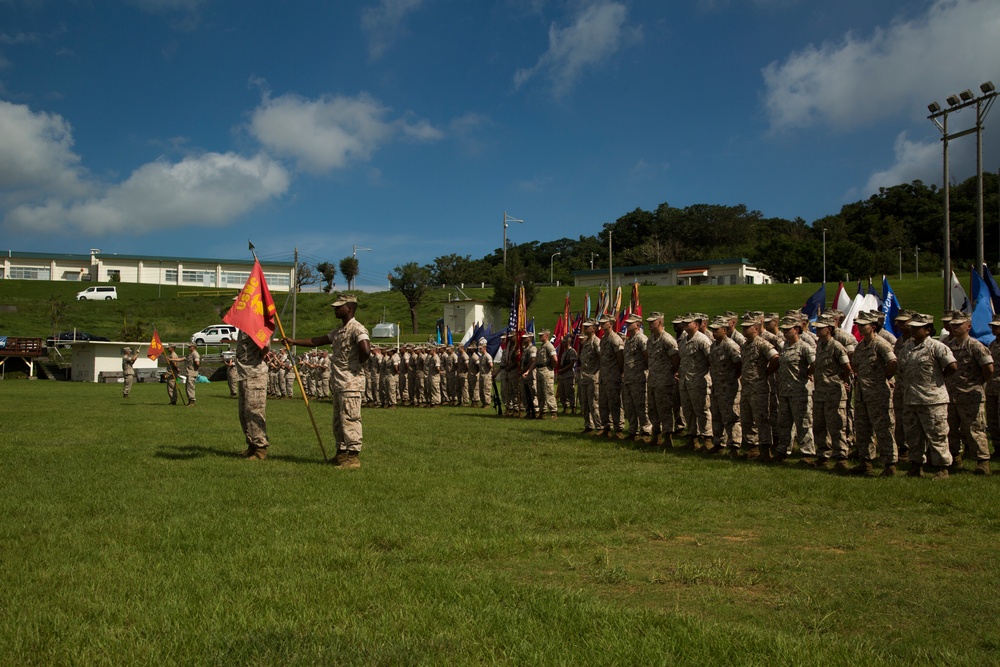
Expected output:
(189, 452)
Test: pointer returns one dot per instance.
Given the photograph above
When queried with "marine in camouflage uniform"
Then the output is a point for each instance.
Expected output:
(128, 370)
(485, 375)
(634, 386)
(663, 360)
(924, 365)
(252, 371)
(590, 377)
(461, 395)
(795, 387)
(725, 364)
(759, 362)
(391, 376)
(418, 377)
(903, 342)
(680, 336)
(992, 392)
(875, 364)
(192, 362)
(612, 364)
(433, 369)
(832, 371)
(567, 375)
(545, 390)
(351, 348)
(695, 382)
(529, 359)
(172, 372)
(966, 417)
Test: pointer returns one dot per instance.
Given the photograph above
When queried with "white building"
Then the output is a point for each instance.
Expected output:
(149, 269)
(91, 358)
(736, 271)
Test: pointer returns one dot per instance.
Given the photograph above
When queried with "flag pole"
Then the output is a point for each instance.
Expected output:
(170, 367)
(295, 367)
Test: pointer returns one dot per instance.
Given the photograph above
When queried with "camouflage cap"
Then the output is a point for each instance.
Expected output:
(903, 316)
(751, 319)
(720, 322)
(789, 322)
(633, 318)
(770, 317)
(589, 323)
(960, 318)
(678, 320)
(865, 317)
(921, 320)
(343, 299)
(823, 322)
(482, 341)
(655, 315)
(730, 314)
(544, 332)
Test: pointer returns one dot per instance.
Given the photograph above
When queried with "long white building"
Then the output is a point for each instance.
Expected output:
(100, 267)
(733, 271)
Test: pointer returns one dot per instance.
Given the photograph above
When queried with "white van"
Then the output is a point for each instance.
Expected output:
(215, 334)
(100, 293)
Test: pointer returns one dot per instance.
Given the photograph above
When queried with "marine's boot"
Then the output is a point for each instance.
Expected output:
(942, 473)
(259, 454)
(915, 470)
(352, 461)
(889, 470)
(982, 467)
(864, 469)
(654, 439)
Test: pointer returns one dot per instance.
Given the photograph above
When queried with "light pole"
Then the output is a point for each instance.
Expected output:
(824, 255)
(355, 255)
(916, 262)
(900, 249)
(551, 264)
(506, 219)
(610, 266)
(983, 103)
(592, 255)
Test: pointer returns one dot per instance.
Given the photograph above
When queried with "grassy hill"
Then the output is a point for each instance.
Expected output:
(177, 313)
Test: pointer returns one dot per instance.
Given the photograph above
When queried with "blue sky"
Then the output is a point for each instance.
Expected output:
(185, 127)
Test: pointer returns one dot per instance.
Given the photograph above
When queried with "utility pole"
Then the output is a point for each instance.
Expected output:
(295, 292)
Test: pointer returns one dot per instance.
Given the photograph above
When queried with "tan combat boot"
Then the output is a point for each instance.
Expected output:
(259, 454)
(889, 470)
(915, 470)
(982, 468)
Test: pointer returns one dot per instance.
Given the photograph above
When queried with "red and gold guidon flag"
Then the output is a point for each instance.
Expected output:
(253, 312)
(155, 347)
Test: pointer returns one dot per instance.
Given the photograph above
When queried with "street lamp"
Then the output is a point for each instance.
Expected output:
(506, 219)
(900, 249)
(824, 255)
(916, 262)
(551, 264)
(592, 256)
(355, 255)
(983, 104)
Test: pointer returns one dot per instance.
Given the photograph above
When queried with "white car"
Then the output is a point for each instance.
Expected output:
(96, 293)
(215, 334)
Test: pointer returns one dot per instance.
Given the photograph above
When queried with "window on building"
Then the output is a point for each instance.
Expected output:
(114, 275)
(205, 278)
(28, 273)
(749, 280)
(276, 279)
(170, 276)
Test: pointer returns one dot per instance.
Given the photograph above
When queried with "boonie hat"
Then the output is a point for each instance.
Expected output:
(342, 299)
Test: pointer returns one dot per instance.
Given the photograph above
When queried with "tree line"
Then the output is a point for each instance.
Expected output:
(897, 229)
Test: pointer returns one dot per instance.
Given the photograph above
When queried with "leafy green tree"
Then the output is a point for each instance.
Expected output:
(349, 269)
(412, 281)
(327, 272)
(504, 282)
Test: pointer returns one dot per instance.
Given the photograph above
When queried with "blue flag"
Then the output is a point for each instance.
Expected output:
(889, 306)
(991, 284)
(982, 312)
(814, 305)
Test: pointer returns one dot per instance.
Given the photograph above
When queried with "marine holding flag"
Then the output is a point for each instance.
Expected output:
(253, 314)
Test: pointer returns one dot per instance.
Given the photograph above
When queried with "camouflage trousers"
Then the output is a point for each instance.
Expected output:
(697, 415)
(566, 392)
(545, 390)
(324, 385)
(486, 389)
(417, 388)
(232, 380)
(289, 384)
(675, 401)
(129, 379)
(192, 379)
(634, 402)
(433, 389)
(755, 416)
(926, 429)
(660, 407)
(873, 422)
(391, 390)
(830, 429)
(252, 404)
(609, 399)
(794, 411)
(725, 406)
(993, 418)
(589, 406)
(171, 388)
(347, 420)
(461, 395)
(897, 411)
(967, 426)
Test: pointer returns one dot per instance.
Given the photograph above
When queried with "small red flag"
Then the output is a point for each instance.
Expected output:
(155, 347)
(253, 312)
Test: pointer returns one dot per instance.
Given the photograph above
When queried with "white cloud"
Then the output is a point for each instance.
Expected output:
(597, 33)
(210, 189)
(384, 22)
(331, 132)
(900, 68)
(36, 155)
(44, 188)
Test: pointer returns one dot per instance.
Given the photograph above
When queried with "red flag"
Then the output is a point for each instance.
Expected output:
(253, 312)
(155, 347)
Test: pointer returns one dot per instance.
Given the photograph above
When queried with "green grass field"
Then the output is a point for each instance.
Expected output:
(134, 535)
(177, 317)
